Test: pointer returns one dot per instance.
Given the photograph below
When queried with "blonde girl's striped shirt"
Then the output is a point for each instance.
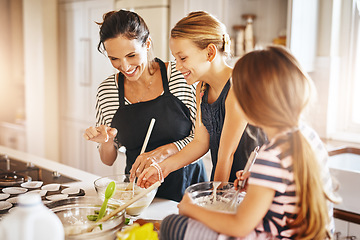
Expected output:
(273, 168)
(107, 100)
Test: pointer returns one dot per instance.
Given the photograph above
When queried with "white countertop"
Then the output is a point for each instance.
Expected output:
(157, 210)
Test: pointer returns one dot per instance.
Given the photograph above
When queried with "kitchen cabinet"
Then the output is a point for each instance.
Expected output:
(346, 230)
(156, 15)
(13, 135)
(82, 68)
(297, 19)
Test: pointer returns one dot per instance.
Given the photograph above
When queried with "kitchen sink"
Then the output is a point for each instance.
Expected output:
(344, 166)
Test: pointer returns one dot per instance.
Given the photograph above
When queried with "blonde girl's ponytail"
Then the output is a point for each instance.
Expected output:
(313, 216)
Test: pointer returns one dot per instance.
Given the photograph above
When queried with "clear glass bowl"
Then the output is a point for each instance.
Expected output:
(217, 196)
(122, 194)
(73, 214)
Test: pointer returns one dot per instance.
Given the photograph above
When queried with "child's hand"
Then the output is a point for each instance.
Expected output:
(184, 204)
(241, 177)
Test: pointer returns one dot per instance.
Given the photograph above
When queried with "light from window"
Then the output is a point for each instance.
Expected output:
(356, 77)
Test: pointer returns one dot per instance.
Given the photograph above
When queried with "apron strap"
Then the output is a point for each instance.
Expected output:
(121, 90)
(163, 75)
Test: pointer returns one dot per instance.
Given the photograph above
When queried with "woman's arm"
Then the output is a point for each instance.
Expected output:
(158, 155)
(103, 135)
(190, 153)
(249, 214)
(234, 126)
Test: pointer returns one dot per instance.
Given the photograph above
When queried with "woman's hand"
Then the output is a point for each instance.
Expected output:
(157, 155)
(184, 204)
(142, 162)
(100, 134)
(240, 178)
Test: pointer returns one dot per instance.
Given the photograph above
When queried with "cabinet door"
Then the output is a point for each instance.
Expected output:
(97, 66)
(82, 67)
(341, 228)
(354, 230)
(71, 20)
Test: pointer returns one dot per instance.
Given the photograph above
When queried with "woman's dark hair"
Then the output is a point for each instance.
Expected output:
(125, 23)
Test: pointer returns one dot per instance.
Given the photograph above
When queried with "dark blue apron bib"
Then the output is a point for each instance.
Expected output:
(213, 117)
(172, 124)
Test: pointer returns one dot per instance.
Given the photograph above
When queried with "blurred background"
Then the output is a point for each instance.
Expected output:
(50, 68)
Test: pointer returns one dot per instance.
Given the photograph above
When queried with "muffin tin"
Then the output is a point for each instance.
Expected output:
(48, 193)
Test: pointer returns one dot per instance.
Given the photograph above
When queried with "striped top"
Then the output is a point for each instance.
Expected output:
(107, 100)
(273, 169)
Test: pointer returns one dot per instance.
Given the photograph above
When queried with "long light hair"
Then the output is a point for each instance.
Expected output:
(273, 91)
(202, 28)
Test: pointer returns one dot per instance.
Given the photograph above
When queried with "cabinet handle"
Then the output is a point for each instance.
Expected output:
(85, 80)
(337, 235)
(351, 237)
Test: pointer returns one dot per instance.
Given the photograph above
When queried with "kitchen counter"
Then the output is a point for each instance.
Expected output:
(157, 210)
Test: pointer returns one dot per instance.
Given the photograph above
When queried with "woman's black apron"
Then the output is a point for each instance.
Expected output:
(172, 124)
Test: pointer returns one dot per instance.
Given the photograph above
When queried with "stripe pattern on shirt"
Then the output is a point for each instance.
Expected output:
(273, 169)
(107, 100)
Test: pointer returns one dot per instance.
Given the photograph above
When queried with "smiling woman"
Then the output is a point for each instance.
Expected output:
(145, 88)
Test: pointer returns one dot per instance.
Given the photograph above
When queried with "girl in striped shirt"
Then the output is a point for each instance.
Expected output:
(289, 191)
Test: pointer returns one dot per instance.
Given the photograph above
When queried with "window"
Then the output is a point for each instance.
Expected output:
(346, 112)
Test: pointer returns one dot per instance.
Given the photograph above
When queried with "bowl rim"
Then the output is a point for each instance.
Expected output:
(108, 176)
(188, 189)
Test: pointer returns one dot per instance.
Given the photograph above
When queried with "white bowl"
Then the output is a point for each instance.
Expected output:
(122, 195)
(217, 196)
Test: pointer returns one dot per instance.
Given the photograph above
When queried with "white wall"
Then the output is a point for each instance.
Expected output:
(12, 101)
(41, 77)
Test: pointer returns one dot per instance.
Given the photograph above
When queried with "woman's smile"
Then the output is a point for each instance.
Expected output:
(130, 73)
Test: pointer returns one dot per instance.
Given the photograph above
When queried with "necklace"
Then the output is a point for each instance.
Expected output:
(142, 95)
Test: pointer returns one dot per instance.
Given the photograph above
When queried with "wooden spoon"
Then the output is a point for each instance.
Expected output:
(146, 140)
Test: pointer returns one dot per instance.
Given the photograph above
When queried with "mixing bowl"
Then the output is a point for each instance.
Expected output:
(73, 213)
(217, 196)
(124, 192)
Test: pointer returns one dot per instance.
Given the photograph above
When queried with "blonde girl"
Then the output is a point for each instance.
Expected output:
(200, 45)
(290, 182)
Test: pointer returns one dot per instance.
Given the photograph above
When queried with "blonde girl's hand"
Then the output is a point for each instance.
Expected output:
(157, 155)
(240, 177)
(149, 176)
(183, 205)
(100, 134)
